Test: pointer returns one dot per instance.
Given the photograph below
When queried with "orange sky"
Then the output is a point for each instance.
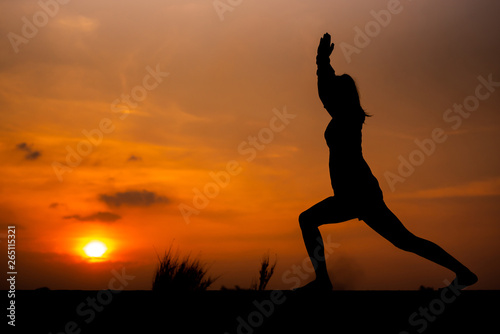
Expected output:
(170, 91)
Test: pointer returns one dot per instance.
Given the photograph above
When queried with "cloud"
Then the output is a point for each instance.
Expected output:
(57, 205)
(78, 23)
(134, 158)
(33, 155)
(106, 217)
(471, 189)
(133, 198)
(30, 154)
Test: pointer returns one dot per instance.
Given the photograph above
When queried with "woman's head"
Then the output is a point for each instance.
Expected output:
(350, 95)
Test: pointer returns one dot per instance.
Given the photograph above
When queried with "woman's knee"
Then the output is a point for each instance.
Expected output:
(306, 221)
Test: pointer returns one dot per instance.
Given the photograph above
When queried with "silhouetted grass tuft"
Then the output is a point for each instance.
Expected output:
(265, 273)
(174, 275)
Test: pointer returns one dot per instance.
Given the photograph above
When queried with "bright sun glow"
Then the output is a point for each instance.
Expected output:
(95, 249)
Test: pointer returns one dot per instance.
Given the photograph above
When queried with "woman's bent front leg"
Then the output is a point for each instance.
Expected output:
(315, 248)
(327, 211)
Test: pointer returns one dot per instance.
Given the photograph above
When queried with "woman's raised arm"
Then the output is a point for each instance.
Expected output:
(326, 73)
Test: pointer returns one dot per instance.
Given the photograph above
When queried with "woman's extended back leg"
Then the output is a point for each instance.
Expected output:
(385, 223)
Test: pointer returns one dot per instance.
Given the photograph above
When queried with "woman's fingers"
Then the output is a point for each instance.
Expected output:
(327, 38)
(325, 44)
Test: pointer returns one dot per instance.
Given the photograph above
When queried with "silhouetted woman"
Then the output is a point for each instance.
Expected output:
(357, 192)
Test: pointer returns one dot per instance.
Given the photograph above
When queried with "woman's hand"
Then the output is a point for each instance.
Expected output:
(325, 46)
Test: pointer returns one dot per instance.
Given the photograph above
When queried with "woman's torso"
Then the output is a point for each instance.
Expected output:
(349, 173)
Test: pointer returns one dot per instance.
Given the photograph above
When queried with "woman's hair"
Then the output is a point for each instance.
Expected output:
(352, 96)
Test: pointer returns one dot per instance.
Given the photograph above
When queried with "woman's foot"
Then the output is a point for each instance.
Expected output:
(316, 285)
(465, 279)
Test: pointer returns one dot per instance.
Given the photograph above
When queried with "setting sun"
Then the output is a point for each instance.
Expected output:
(95, 249)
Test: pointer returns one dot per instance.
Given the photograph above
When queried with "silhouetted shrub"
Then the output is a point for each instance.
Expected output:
(174, 275)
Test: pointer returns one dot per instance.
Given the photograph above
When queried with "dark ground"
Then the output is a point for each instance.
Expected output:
(106, 311)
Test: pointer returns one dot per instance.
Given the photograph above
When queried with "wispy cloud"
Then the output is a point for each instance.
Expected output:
(106, 217)
(472, 189)
(78, 23)
(133, 198)
(134, 158)
(30, 153)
